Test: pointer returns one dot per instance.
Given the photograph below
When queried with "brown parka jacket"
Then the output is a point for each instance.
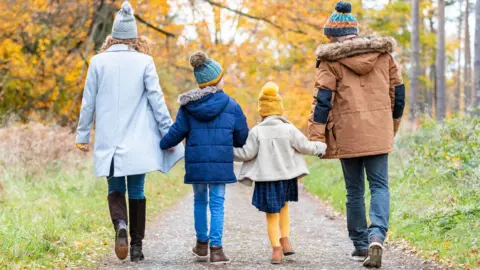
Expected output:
(359, 97)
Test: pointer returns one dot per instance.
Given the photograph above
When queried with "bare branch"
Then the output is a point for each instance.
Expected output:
(166, 33)
(253, 17)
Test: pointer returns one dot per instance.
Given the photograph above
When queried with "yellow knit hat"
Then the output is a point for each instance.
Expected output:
(269, 101)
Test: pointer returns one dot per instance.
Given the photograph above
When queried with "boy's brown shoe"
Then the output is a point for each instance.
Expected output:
(217, 256)
(286, 246)
(201, 251)
(277, 255)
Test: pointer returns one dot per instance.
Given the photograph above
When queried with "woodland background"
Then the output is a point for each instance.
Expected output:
(46, 45)
(53, 212)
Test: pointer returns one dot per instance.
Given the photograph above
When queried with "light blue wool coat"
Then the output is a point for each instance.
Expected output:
(122, 93)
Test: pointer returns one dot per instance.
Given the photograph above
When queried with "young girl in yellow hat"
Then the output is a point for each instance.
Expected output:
(273, 160)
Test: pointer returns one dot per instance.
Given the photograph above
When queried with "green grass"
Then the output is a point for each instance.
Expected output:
(435, 191)
(61, 219)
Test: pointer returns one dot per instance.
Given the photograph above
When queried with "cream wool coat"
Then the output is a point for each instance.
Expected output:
(123, 95)
(273, 152)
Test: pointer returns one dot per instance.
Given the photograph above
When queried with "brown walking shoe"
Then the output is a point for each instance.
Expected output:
(277, 255)
(375, 252)
(217, 256)
(286, 246)
(201, 251)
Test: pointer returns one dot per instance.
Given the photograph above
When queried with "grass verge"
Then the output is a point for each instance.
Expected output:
(60, 218)
(435, 191)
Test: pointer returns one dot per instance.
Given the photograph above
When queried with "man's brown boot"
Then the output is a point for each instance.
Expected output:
(217, 256)
(286, 246)
(277, 255)
(201, 251)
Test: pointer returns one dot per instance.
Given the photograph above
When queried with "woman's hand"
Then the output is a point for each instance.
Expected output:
(83, 147)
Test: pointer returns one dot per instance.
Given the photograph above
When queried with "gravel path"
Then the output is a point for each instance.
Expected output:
(321, 242)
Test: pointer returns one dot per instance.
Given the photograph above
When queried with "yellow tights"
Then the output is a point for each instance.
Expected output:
(278, 221)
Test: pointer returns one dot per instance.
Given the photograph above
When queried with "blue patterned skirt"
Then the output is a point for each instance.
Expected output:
(270, 197)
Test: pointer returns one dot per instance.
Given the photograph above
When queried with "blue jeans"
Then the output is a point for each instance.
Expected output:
(136, 185)
(376, 168)
(217, 198)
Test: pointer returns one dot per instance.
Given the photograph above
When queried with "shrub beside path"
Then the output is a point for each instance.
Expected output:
(321, 242)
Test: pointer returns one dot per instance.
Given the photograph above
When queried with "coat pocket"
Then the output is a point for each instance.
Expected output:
(331, 139)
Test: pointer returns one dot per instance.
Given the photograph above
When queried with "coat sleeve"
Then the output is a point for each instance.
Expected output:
(178, 131)
(304, 146)
(87, 111)
(249, 151)
(397, 93)
(156, 98)
(323, 95)
(240, 132)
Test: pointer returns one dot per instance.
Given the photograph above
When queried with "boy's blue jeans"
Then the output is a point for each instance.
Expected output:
(136, 185)
(202, 192)
(354, 170)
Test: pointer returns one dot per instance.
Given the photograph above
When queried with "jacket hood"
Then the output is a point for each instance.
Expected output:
(355, 46)
(274, 120)
(358, 54)
(204, 104)
(361, 64)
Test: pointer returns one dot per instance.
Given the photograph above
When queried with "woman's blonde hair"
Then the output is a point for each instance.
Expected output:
(141, 44)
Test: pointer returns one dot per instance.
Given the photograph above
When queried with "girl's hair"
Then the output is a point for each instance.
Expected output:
(141, 44)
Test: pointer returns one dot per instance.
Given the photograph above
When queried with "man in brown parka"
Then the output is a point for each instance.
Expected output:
(358, 103)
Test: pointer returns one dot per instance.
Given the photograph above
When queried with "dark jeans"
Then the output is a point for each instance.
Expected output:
(135, 185)
(354, 170)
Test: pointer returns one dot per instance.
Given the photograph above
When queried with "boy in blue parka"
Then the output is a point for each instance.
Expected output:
(212, 124)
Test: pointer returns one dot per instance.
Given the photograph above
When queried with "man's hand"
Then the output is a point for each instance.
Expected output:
(83, 147)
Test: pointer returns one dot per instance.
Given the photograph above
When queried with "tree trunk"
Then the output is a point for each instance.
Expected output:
(440, 68)
(467, 73)
(458, 92)
(477, 58)
(415, 58)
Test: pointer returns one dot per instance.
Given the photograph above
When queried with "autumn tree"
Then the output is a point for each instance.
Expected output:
(440, 65)
(477, 58)
(415, 59)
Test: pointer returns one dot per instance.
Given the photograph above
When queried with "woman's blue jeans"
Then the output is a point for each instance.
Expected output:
(202, 192)
(135, 184)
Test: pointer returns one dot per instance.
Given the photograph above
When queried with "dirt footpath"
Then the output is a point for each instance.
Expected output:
(321, 242)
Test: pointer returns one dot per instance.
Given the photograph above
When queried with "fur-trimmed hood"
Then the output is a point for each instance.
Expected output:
(204, 104)
(196, 94)
(355, 46)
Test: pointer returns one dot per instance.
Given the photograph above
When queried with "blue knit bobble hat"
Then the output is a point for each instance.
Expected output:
(341, 22)
(207, 71)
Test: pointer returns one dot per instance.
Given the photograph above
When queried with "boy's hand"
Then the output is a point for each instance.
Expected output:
(83, 147)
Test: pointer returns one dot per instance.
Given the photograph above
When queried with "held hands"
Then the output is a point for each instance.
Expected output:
(323, 147)
(84, 147)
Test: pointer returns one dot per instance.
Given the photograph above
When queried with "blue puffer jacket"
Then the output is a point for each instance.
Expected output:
(213, 123)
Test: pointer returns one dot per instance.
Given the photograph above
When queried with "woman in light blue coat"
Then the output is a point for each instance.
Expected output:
(122, 93)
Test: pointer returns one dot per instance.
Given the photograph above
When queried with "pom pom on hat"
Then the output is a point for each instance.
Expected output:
(197, 59)
(269, 101)
(343, 7)
(127, 8)
(270, 89)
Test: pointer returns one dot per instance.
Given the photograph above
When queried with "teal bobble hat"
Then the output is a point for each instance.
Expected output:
(207, 71)
(341, 22)
(125, 26)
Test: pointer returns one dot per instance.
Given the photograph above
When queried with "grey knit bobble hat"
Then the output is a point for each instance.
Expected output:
(125, 26)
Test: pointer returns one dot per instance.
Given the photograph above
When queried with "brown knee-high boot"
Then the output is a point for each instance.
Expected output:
(118, 212)
(137, 210)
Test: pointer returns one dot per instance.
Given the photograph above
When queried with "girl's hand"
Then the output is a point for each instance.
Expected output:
(83, 147)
